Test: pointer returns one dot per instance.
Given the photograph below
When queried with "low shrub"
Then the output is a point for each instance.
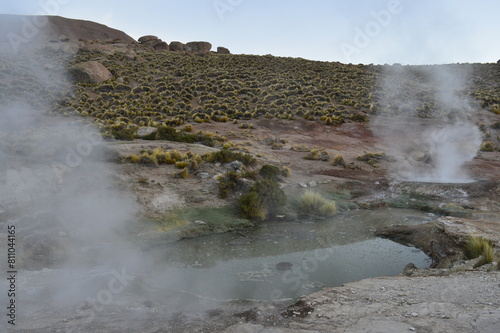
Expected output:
(171, 134)
(229, 183)
(371, 158)
(251, 208)
(227, 156)
(265, 197)
(270, 172)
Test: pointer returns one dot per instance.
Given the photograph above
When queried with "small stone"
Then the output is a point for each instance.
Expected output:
(203, 175)
(304, 185)
(235, 165)
(414, 314)
(199, 222)
(313, 183)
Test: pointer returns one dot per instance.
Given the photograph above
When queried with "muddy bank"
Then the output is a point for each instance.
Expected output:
(443, 240)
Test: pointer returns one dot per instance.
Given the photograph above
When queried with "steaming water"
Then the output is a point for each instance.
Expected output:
(192, 276)
(451, 148)
(326, 253)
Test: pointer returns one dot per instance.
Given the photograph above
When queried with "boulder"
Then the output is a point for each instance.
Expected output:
(90, 72)
(177, 46)
(147, 38)
(223, 50)
(198, 47)
(235, 165)
(145, 131)
(160, 45)
(130, 55)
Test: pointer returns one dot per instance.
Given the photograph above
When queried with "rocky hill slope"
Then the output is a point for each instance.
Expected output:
(53, 28)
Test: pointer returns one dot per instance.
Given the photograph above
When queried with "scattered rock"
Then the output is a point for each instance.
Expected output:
(203, 175)
(304, 185)
(90, 72)
(130, 55)
(199, 222)
(235, 165)
(198, 47)
(177, 46)
(284, 265)
(409, 269)
(313, 183)
(223, 50)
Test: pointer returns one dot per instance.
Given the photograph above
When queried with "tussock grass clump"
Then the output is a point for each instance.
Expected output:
(477, 246)
(317, 155)
(184, 173)
(286, 171)
(338, 160)
(227, 156)
(371, 158)
(313, 203)
(134, 158)
(487, 146)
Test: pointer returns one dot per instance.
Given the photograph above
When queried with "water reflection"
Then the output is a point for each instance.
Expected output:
(286, 260)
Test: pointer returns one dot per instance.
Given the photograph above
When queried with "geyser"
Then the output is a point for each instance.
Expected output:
(451, 147)
(426, 121)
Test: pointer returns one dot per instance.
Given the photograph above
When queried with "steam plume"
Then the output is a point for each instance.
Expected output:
(426, 119)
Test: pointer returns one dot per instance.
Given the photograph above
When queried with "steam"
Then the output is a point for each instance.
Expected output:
(426, 121)
(60, 192)
(76, 223)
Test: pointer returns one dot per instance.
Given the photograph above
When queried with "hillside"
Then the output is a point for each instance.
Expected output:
(52, 28)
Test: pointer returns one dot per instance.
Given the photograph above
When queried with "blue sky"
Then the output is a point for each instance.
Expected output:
(357, 31)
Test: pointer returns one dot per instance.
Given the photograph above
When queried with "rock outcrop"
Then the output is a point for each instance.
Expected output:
(223, 50)
(177, 46)
(56, 28)
(198, 47)
(147, 39)
(154, 42)
(90, 72)
(161, 46)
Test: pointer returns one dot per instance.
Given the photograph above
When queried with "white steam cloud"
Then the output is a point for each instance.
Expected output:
(426, 120)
